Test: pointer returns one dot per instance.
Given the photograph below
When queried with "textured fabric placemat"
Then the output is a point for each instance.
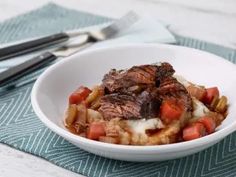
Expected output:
(21, 129)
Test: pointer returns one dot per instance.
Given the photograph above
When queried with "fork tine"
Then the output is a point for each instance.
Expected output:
(118, 25)
(124, 22)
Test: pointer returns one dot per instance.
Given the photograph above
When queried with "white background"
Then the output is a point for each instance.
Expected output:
(209, 20)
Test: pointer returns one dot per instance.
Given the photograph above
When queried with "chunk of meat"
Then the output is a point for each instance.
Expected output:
(119, 106)
(126, 106)
(150, 106)
(164, 70)
(170, 88)
(144, 75)
(138, 92)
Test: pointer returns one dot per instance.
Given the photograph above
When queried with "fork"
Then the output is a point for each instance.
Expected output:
(93, 36)
(28, 66)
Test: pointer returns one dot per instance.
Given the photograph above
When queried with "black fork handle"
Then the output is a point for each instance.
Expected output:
(32, 45)
(26, 67)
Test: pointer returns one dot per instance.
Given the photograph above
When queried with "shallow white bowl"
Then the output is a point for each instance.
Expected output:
(50, 93)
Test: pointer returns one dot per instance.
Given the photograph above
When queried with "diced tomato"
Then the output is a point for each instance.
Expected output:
(208, 123)
(79, 95)
(197, 92)
(170, 110)
(210, 94)
(95, 130)
(193, 131)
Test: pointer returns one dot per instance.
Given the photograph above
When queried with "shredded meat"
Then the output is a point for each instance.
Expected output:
(144, 75)
(138, 92)
(119, 106)
(129, 106)
(171, 88)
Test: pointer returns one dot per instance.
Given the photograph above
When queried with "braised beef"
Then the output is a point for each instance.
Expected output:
(171, 88)
(164, 70)
(129, 106)
(139, 91)
(119, 106)
(144, 75)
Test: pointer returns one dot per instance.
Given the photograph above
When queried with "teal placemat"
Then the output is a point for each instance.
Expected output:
(21, 129)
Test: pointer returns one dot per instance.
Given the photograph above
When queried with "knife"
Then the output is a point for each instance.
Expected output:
(10, 75)
(94, 35)
(87, 38)
(32, 45)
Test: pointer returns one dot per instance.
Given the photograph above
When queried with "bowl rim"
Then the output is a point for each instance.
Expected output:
(215, 137)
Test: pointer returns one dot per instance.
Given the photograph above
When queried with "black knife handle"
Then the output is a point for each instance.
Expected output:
(32, 45)
(24, 68)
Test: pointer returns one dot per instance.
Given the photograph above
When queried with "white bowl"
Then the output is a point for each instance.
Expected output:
(50, 93)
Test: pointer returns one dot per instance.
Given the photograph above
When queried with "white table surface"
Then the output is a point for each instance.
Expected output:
(209, 20)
